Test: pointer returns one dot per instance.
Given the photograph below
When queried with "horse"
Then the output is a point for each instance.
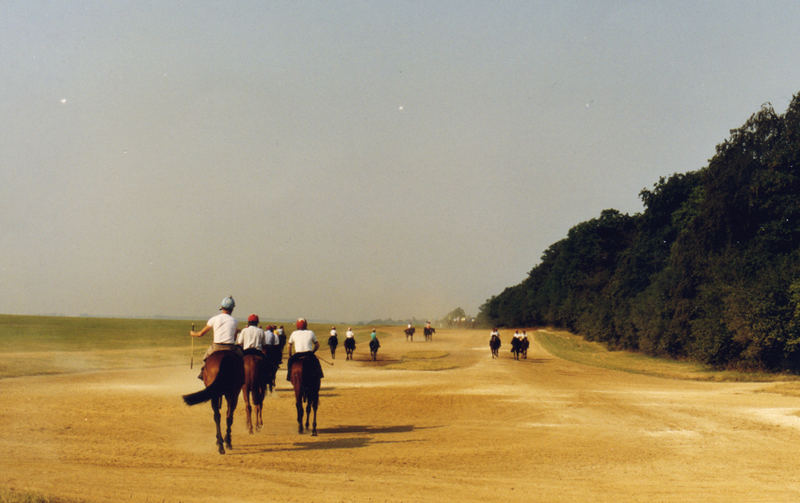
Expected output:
(306, 389)
(374, 344)
(523, 348)
(494, 345)
(223, 375)
(273, 356)
(349, 347)
(255, 385)
(333, 342)
(515, 347)
(428, 331)
(410, 333)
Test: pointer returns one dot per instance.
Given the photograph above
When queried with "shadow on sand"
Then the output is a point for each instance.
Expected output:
(348, 442)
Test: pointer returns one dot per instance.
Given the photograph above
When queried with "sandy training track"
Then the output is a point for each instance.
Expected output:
(541, 429)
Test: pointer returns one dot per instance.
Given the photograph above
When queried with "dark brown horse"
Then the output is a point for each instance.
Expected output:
(516, 347)
(223, 375)
(274, 357)
(306, 389)
(374, 344)
(494, 345)
(349, 347)
(255, 386)
(429, 331)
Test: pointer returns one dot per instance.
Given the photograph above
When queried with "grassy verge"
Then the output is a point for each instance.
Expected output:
(45, 345)
(14, 496)
(574, 348)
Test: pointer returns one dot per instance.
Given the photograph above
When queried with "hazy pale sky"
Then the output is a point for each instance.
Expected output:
(348, 160)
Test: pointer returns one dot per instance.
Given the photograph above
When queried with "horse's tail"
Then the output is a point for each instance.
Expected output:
(218, 387)
(212, 391)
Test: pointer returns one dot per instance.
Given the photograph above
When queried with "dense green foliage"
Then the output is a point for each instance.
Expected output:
(710, 270)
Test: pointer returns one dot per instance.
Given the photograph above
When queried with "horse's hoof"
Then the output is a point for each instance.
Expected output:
(221, 450)
(314, 433)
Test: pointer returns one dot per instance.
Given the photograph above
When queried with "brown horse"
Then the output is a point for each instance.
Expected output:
(223, 375)
(306, 389)
(255, 386)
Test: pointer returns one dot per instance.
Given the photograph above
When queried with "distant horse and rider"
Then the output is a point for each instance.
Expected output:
(495, 343)
(333, 342)
(428, 331)
(516, 344)
(409, 331)
(524, 344)
(374, 344)
(349, 344)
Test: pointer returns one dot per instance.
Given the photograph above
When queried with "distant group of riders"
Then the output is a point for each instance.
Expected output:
(428, 331)
(519, 344)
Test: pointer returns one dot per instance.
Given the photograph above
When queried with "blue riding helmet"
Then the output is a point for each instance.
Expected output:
(227, 303)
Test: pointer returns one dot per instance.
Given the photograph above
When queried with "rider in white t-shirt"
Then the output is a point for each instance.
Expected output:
(303, 344)
(251, 337)
(225, 331)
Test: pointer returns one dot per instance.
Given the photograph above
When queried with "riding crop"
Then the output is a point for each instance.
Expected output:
(191, 360)
(324, 360)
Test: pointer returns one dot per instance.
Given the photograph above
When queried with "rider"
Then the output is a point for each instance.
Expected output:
(272, 346)
(333, 341)
(374, 344)
(349, 342)
(281, 338)
(224, 327)
(303, 344)
(252, 339)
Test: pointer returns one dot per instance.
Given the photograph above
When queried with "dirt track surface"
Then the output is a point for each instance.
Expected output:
(542, 429)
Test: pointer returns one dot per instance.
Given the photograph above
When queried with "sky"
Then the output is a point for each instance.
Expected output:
(348, 160)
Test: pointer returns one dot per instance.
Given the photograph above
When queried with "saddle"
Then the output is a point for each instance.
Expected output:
(254, 352)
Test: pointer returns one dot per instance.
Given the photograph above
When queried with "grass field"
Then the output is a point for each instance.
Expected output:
(574, 348)
(53, 345)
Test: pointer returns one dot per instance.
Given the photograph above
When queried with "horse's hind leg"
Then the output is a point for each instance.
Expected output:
(215, 405)
(259, 421)
(248, 409)
(299, 405)
(314, 424)
(232, 401)
(259, 403)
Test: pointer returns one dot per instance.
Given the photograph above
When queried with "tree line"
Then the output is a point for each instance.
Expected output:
(708, 271)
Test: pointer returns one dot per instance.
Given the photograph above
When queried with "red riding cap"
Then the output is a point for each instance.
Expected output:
(301, 324)
(252, 318)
